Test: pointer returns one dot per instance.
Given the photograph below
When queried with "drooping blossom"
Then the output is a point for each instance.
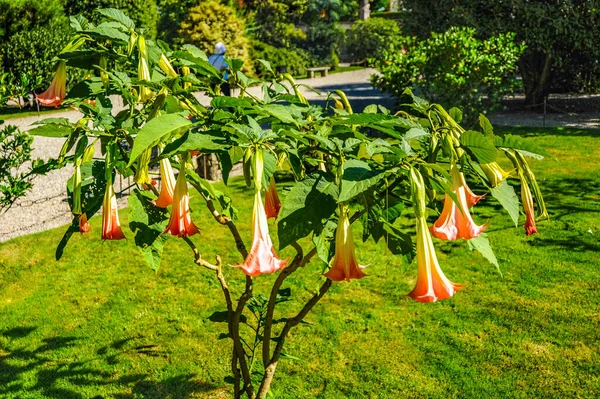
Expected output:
(272, 203)
(143, 71)
(180, 223)
(344, 265)
(142, 175)
(84, 225)
(167, 178)
(166, 66)
(454, 223)
(262, 258)
(111, 228)
(57, 91)
(530, 227)
(494, 173)
(432, 284)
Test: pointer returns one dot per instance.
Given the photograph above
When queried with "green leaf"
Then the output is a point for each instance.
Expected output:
(480, 146)
(118, 16)
(153, 131)
(358, 178)
(105, 32)
(309, 203)
(323, 239)
(282, 112)
(418, 103)
(525, 147)
(147, 222)
(416, 133)
(482, 245)
(53, 127)
(269, 166)
(456, 114)
(505, 194)
(206, 141)
(488, 129)
(370, 109)
(398, 242)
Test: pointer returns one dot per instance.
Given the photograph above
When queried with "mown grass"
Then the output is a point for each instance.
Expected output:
(101, 324)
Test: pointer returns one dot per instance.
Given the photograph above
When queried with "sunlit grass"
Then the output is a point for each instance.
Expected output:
(100, 324)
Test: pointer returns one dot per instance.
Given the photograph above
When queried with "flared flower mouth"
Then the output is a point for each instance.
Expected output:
(180, 223)
(272, 203)
(167, 188)
(84, 225)
(432, 285)
(262, 258)
(111, 227)
(344, 265)
(56, 92)
(494, 173)
(455, 222)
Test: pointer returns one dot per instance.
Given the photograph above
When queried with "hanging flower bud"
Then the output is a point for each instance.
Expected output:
(272, 203)
(142, 177)
(166, 67)
(103, 64)
(186, 71)
(494, 173)
(57, 91)
(143, 71)
(530, 227)
(77, 190)
(344, 265)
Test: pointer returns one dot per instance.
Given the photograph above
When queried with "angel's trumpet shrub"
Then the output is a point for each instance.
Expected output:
(432, 284)
(454, 223)
(262, 258)
(111, 228)
(494, 173)
(344, 265)
(84, 225)
(530, 227)
(272, 203)
(180, 223)
(167, 188)
(55, 94)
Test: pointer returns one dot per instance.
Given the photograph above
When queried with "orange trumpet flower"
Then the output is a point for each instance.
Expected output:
(272, 203)
(167, 179)
(56, 93)
(453, 223)
(180, 223)
(111, 228)
(344, 265)
(262, 258)
(432, 284)
(84, 225)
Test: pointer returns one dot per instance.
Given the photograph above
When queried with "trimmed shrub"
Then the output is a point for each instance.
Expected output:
(293, 60)
(323, 40)
(210, 23)
(371, 38)
(143, 12)
(170, 15)
(453, 68)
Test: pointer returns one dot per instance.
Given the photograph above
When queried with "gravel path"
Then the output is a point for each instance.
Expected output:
(46, 205)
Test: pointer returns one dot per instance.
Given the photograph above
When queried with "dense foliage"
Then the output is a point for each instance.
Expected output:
(211, 22)
(562, 36)
(343, 174)
(372, 38)
(295, 61)
(323, 42)
(454, 68)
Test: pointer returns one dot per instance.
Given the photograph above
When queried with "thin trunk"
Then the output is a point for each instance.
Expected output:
(535, 70)
(364, 9)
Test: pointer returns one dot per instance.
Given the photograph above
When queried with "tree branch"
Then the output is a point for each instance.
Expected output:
(270, 370)
(266, 349)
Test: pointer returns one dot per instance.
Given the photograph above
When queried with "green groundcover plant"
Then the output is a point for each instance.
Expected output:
(347, 168)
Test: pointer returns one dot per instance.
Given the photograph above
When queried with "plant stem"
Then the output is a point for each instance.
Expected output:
(294, 321)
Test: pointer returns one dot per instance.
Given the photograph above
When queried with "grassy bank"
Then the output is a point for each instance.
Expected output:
(100, 324)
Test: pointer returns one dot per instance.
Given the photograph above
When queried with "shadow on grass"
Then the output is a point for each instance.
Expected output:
(49, 372)
(524, 131)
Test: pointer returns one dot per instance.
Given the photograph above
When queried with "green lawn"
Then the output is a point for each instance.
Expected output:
(101, 324)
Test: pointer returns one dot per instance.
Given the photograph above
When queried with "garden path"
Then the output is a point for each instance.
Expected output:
(46, 205)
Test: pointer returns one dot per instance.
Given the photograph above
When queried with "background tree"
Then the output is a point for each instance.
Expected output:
(561, 36)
